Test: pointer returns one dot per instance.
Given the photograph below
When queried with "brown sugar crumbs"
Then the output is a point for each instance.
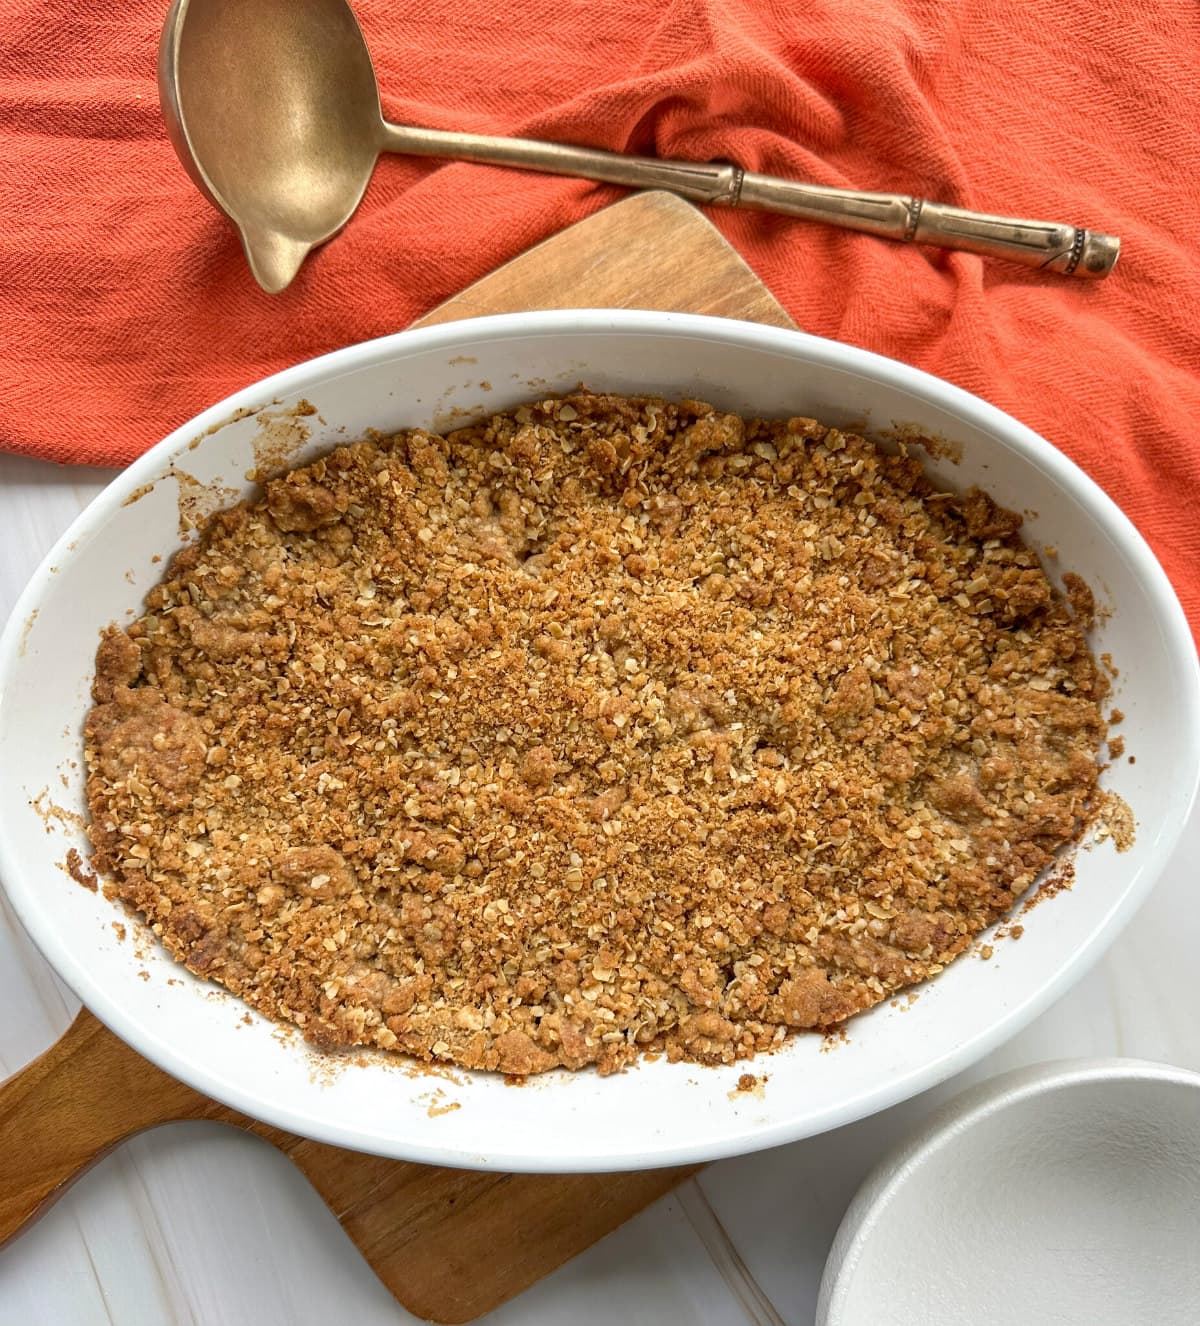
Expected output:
(605, 727)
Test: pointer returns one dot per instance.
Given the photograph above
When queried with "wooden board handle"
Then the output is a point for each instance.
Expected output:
(450, 1244)
(67, 1109)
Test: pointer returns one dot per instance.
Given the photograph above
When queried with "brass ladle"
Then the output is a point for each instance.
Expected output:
(274, 109)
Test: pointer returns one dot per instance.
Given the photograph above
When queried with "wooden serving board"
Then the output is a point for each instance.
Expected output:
(450, 1244)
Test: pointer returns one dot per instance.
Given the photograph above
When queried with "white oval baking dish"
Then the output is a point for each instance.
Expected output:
(657, 1114)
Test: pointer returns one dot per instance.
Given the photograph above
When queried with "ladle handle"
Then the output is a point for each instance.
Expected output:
(1050, 245)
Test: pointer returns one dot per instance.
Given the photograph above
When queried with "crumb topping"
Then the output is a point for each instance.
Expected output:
(604, 726)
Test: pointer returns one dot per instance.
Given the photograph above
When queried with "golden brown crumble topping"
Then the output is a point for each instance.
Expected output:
(604, 726)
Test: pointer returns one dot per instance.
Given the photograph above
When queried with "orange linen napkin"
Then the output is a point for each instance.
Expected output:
(126, 304)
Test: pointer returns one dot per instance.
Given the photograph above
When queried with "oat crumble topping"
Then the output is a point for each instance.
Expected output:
(602, 727)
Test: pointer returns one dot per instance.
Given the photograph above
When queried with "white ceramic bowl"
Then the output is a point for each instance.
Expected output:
(1067, 1192)
(657, 1114)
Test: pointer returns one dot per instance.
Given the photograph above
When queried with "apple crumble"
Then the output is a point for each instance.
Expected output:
(605, 726)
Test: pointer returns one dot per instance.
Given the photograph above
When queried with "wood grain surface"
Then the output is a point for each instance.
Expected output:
(652, 251)
(449, 1244)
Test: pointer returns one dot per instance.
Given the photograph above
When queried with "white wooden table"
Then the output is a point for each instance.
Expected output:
(196, 1223)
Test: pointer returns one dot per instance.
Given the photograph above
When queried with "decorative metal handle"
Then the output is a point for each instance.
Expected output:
(700, 181)
(1052, 246)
